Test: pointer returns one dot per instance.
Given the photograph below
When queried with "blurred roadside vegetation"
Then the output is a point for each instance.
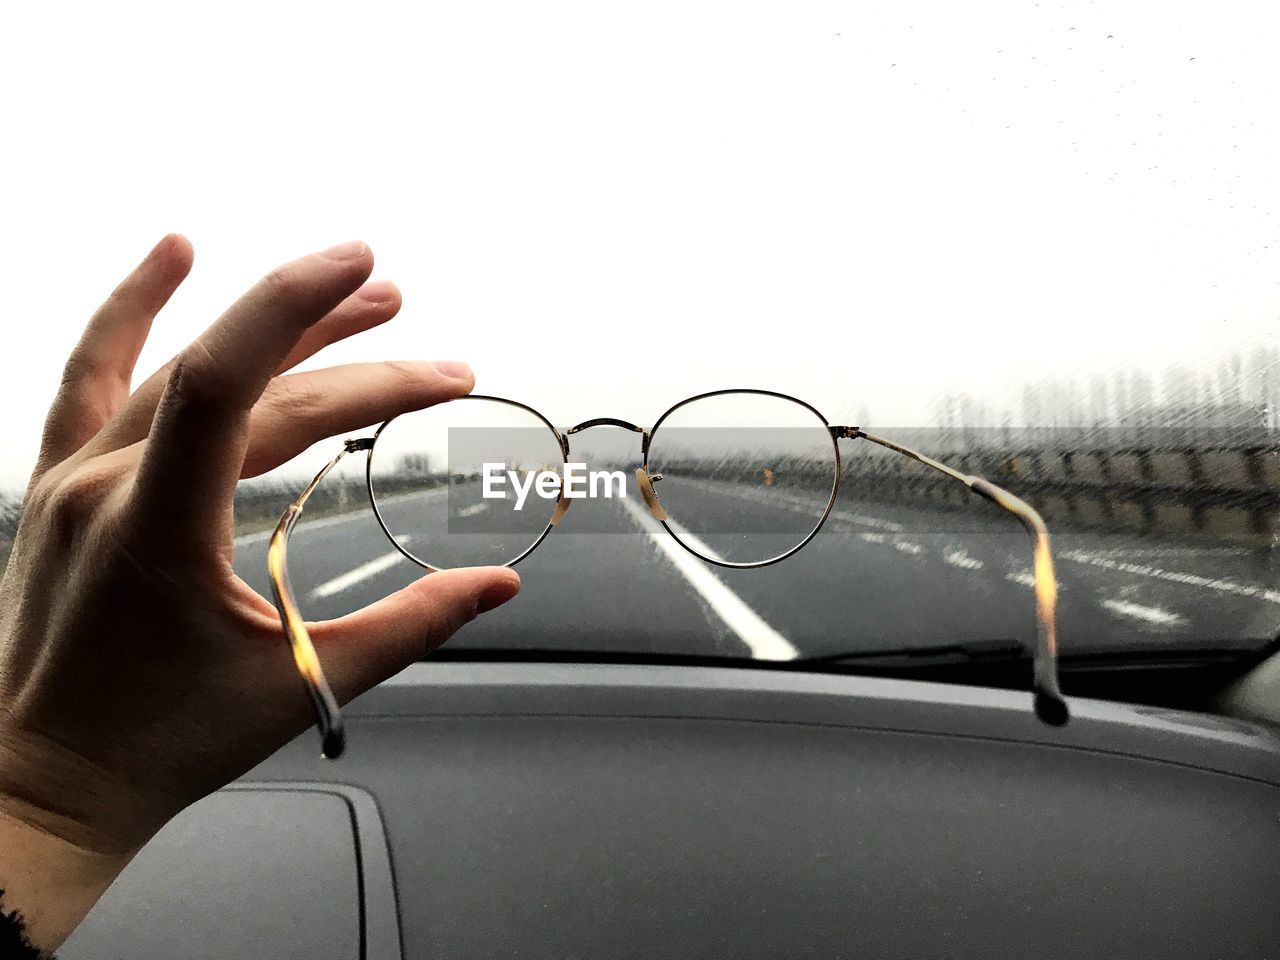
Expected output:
(258, 506)
(10, 510)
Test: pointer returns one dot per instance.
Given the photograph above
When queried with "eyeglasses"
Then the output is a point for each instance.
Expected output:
(748, 477)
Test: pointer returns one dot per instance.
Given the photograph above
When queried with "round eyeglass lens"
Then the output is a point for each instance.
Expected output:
(470, 482)
(746, 477)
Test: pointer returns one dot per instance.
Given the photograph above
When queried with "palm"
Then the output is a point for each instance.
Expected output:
(133, 660)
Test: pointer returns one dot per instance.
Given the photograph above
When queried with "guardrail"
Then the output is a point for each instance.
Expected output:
(1157, 481)
(1218, 491)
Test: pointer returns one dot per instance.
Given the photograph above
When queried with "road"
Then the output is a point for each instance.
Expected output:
(876, 576)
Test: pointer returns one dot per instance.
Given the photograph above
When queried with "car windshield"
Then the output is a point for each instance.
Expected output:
(1038, 243)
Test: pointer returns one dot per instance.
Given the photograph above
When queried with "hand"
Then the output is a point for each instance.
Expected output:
(137, 671)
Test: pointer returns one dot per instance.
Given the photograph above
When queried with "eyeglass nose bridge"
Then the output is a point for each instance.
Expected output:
(644, 480)
(605, 422)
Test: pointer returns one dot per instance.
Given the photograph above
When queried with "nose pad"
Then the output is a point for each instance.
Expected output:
(645, 483)
(562, 507)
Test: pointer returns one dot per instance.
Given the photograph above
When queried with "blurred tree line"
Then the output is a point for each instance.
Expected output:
(10, 511)
(1239, 398)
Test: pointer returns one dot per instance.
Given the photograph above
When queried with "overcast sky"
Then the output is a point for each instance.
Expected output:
(606, 207)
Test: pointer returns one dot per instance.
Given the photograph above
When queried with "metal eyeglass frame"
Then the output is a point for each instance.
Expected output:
(1050, 706)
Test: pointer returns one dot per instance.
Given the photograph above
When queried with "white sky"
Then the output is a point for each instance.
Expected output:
(605, 207)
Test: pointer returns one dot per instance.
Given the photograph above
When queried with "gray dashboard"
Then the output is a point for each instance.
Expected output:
(592, 811)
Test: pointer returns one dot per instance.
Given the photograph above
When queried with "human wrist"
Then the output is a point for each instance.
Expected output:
(49, 880)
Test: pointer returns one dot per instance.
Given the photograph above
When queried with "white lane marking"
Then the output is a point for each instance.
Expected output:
(696, 542)
(1023, 578)
(320, 523)
(867, 520)
(961, 559)
(1167, 552)
(764, 642)
(1157, 615)
(472, 510)
(873, 537)
(1175, 576)
(906, 546)
(809, 506)
(363, 572)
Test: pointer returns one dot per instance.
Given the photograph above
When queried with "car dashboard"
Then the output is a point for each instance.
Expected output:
(545, 810)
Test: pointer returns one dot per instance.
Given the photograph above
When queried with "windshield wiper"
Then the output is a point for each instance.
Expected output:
(978, 651)
(1159, 676)
(975, 651)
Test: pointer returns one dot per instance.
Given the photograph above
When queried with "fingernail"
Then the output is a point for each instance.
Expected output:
(345, 251)
(498, 593)
(380, 291)
(453, 369)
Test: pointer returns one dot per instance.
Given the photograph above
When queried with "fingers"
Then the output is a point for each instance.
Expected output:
(196, 447)
(96, 379)
(303, 408)
(364, 648)
(373, 304)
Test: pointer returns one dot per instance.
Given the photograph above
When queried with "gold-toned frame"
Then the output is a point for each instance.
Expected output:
(328, 713)
(1050, 706)
(562, 502)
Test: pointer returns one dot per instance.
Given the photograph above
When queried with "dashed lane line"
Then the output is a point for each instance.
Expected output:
(361, 573)
(1023, 578)
(1106, 560)
(1138, 611)
(794, 502)
(961, 559)
(1175, 576)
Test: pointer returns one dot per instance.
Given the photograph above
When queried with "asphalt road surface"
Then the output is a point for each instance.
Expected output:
(876, 576)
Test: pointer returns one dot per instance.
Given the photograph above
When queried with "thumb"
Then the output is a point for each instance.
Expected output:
(363, 648)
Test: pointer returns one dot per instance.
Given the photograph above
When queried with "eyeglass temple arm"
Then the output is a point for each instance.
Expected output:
(1049, 703)
(328, 714)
